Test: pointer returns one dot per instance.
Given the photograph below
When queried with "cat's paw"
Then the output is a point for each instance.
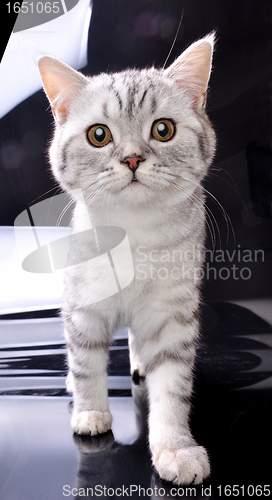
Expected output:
(184, 466)
(91, 422)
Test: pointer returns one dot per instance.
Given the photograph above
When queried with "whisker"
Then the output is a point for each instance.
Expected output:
(233, 186)
(207, 209)
(223, 211)
(175, 39)
(225, 215)
(210, 218)
(63, 212)
(91, 197)
(73, 201)
(57, 188)
(213, 169)
(209, 214)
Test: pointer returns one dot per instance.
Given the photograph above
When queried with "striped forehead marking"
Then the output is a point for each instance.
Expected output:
(134, 96)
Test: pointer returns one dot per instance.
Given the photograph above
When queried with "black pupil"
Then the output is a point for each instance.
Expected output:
(100, 134)
(162, 129)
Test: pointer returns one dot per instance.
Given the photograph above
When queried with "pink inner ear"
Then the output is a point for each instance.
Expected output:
(63, 99)
(61, 83)
(192, 69)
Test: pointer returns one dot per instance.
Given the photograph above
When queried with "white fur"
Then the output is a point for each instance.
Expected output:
(163, 210)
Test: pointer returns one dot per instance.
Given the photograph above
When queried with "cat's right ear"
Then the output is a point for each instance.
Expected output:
(61, 84)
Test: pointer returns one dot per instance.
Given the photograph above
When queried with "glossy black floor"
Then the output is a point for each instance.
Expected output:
(231, 416)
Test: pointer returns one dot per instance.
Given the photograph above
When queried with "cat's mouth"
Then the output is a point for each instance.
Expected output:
(133, 183)
(134, 178)
(136, 181)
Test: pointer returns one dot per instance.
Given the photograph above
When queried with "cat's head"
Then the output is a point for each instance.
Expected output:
(132, 137)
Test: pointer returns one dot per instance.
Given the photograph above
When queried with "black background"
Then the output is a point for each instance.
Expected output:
(138, 34)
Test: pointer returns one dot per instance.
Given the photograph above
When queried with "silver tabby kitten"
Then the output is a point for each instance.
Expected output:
(137, 145)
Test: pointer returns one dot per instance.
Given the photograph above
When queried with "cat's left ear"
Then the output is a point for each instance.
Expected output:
(192, 69)
(61, 84)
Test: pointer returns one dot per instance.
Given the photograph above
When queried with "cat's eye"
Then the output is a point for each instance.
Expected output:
(99, 135)
(163, 130)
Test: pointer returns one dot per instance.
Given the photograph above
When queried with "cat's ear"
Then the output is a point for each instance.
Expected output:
(192, 69)
(61, 84)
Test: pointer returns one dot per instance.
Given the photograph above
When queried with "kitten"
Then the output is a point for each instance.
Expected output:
(137, 144)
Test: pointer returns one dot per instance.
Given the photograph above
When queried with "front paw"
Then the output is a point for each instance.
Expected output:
(184, 466)
(91, 422)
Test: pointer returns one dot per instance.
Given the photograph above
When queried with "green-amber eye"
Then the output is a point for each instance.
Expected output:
(99, 135)
(163, 130)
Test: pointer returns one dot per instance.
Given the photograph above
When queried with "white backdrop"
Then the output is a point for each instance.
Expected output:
(64, 37)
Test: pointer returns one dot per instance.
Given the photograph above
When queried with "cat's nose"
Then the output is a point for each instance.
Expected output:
(132, 162)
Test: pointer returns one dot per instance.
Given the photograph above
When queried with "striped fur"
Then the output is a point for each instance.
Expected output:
(162, 212)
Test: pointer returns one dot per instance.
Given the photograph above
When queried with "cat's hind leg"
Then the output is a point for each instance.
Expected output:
(136, 366)
(69, 383)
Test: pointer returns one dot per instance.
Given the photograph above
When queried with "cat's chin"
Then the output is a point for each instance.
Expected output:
(136, 192)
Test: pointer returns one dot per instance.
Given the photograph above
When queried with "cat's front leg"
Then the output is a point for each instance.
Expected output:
(175, 454)
(87, 345)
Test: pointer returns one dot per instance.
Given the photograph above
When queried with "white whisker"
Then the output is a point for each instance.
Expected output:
(209, 214)
(63, 212)
(223, 211)
(230, 184)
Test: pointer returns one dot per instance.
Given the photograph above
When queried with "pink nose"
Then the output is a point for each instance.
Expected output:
(133, 162)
